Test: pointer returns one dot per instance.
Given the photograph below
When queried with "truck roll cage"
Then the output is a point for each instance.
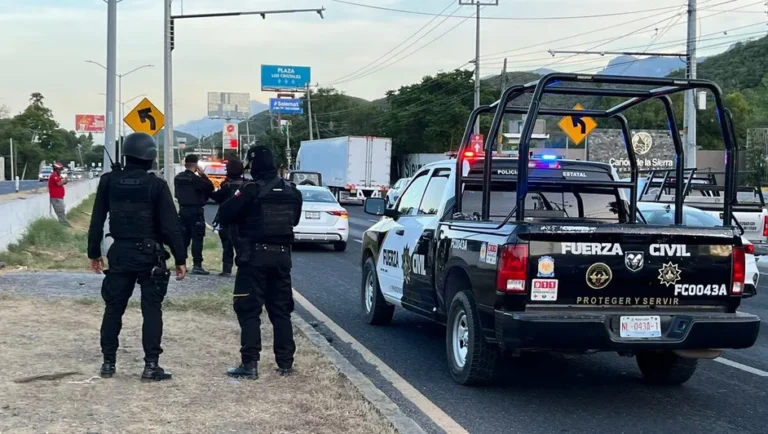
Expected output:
(596, 85)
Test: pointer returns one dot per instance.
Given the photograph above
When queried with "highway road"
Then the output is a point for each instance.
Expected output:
(7, 187)
(542, 393)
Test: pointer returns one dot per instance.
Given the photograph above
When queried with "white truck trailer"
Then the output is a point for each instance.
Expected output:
(352, 167)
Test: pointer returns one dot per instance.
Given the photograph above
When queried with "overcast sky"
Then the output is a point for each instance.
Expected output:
(45, 44)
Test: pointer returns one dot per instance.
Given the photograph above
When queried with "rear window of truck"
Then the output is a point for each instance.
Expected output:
(600, 207)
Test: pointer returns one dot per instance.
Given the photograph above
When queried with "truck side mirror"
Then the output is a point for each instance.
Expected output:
(378, 206)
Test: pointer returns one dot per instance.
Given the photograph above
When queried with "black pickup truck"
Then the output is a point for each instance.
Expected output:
(544, 254)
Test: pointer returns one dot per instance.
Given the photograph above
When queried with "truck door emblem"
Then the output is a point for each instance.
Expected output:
(634, 261)
(599, 275)
(669, 274)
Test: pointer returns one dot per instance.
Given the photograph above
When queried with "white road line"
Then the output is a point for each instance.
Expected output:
(359, 241)
(744, 368)
(438, 416)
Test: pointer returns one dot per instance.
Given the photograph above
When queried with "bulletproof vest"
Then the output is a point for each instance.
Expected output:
(271, 214)
(186, 193)
(131, 211)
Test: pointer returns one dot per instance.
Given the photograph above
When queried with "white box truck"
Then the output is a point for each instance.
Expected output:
(352, 167)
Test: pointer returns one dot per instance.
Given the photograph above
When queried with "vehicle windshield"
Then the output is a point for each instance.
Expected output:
(46, 171)
(666, 217)
(401, 183)
(216, 170)
(578, 203)
(322, 196)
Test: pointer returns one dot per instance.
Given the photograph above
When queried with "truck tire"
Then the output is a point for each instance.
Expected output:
(340, 246)
(665, 368)
(471, 359)
(375, 309)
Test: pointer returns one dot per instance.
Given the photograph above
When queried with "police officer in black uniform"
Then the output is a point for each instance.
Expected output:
(227, 190)
(142, 217)
(192, 191)
(265, 211)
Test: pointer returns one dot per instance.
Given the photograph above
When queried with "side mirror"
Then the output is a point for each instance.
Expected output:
(378, 206)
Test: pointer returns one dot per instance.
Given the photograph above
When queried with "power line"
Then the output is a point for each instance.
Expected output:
(572, 17)
(450, 2)
(381, 66)
(502, 54)
(409, 54)
(527, 62)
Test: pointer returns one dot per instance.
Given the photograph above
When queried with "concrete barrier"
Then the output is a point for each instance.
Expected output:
(16, 215)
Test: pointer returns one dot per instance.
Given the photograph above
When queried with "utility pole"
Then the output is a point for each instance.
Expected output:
(499, 141)
(109, 133)
(309, 109)
(13, 163)
(288, 143)
(168, 102)
(689, 123)
(478, 4)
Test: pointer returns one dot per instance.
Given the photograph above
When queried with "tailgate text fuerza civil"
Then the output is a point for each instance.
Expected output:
(613, 249)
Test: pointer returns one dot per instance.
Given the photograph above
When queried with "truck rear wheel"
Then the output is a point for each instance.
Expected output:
(471, 359)
(375, 309)
(665, 367)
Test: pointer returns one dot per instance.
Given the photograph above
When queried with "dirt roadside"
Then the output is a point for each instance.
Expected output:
(63, 337)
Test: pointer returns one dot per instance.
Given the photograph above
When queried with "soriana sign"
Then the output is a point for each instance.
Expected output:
(89, 123)
(229, 136)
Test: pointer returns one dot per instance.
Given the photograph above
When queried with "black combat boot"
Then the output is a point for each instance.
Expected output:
(284, 372)
(107, 368)
(249, 370)
(226, 270)
(153, 372)
(199, 270)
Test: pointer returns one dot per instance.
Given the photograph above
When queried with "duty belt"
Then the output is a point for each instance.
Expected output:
(271, 248)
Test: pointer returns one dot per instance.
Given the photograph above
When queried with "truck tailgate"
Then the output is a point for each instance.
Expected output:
(629, 265)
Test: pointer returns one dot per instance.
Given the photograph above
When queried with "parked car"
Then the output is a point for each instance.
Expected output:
(394, 193)
(77, 174)
(664, 214)
(323, 220)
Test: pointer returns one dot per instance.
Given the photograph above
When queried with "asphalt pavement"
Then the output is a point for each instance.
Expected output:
(7, 187)
(541, 393)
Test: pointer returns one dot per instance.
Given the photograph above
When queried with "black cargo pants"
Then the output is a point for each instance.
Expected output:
(228, 247)
(265, 279)
(128, 266)
(192, 220)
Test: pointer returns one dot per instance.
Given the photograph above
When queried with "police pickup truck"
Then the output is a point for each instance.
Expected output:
(577, 274)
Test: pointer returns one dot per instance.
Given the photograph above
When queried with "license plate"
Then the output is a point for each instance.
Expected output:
(640, 327)
(312, 215)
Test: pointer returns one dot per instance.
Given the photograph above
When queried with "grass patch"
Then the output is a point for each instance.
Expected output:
(48, 245)
(212, 303)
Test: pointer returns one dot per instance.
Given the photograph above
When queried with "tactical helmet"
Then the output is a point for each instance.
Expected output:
(141, 146)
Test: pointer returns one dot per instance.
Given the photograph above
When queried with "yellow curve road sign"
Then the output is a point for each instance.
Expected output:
(145, 118)
(577, 127)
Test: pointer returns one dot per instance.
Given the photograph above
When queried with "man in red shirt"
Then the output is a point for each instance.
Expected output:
(56, 190)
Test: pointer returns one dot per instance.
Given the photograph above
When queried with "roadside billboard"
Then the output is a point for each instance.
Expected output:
(286, 106)
(285, 78)
(228, 105)
(89, 123)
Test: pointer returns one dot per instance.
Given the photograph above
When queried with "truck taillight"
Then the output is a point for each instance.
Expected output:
(739, 271)
(513, 269)
(749, 249)
(765, 226)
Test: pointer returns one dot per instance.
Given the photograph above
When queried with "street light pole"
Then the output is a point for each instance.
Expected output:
(109, 133)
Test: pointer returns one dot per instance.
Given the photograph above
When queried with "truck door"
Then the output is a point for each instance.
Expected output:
(401, 241)
(419, 264)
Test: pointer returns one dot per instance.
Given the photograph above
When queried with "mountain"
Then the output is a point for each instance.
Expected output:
(205, 126)
(647, 67)
(160, 136)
